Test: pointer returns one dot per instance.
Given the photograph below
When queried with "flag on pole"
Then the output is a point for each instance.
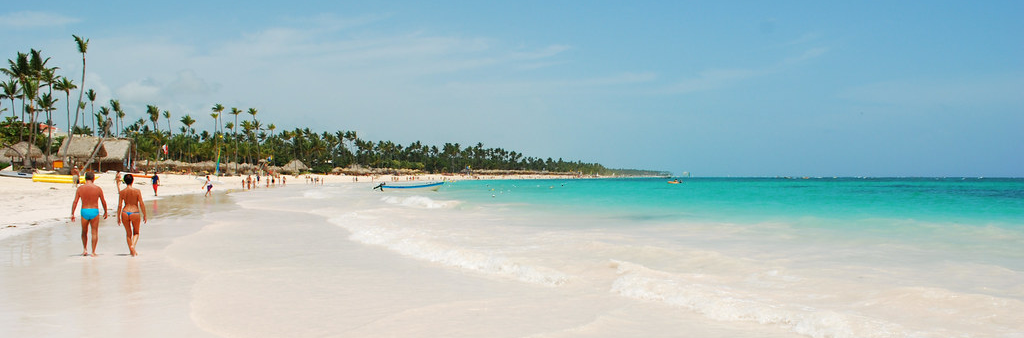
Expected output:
(165, 149)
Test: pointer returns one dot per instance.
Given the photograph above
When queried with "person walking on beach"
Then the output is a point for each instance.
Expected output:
(89, 193)
(156, 182)
(209, 186)
(117, 180)
(129, 206)
(74, 175)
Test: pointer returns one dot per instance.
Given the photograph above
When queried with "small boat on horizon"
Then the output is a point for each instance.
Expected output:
(428, 186)
(675, 181)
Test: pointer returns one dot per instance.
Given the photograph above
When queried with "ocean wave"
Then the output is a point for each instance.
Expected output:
(424, 246)
(419, 202)
(700, 294)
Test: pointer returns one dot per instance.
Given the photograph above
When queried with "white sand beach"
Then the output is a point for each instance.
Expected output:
(28, 205)
(253, 264)
(343, 260)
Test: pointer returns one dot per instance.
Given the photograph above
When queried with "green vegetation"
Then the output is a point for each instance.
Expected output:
(32, 84)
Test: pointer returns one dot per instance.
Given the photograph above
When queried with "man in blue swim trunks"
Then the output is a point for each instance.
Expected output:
(89, 193)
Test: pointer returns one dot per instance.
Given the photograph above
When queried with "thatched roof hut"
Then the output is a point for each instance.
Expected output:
(22, 149)
(295, 166)
(205, 165)
(111, 154)
(81, 147)
(115, 150)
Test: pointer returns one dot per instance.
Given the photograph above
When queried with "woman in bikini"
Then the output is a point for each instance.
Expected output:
(129, 208)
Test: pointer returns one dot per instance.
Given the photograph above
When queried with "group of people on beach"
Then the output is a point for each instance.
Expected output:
(131, 211)
(314, 180)
(248, 183)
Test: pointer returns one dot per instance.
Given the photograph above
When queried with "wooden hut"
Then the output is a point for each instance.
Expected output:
(20, 150)
(78, 149)
(110, 154)
(294, 167)
(117, 154)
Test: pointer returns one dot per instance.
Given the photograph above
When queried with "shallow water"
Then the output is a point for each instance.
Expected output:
(820, 258)
(606, 258)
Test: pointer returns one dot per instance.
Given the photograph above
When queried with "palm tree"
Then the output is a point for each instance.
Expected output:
(105, 113)
(91, 94)
(253, 111)
(30, 90)
(247, 127)
(20, 71)
(188, 121)
(271, 128)
(167, 117)
(115, 105)
(217, 109)
(11, 91)
(235, 112)
(120, 119)
(65, 85)
(46, 102)
(47, 76)
(83, 45)
(154, 115)
(256, 128)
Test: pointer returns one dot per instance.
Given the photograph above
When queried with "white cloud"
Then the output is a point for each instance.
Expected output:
(713, 79)
(144, 90)
(188, 83)
(719, 78)
(343, 79)
(807, 55)
(32, 19)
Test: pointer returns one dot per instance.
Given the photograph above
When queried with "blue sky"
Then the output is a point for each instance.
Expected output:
(758, 88)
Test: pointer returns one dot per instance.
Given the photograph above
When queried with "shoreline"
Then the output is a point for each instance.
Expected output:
(29, 206)
(306, 260)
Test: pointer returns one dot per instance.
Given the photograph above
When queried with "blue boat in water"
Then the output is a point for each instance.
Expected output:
(427, 186)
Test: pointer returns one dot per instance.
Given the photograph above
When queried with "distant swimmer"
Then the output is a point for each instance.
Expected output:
(89, 193)
(129, 208)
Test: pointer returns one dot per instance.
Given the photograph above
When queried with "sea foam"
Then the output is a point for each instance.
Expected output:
(720, 302)
(426, 246)
(418, 202)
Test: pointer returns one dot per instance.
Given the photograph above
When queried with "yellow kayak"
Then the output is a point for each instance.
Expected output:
(48, 178)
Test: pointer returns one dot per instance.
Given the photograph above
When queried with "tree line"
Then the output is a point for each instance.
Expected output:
(237, 134)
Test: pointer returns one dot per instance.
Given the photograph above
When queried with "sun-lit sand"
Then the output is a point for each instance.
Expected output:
(209, 266)
(28, 205)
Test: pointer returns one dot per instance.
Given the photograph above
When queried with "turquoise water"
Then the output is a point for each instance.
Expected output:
(968, 201)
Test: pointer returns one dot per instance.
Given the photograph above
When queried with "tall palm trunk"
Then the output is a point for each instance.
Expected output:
(30, 90)
(82, 46)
